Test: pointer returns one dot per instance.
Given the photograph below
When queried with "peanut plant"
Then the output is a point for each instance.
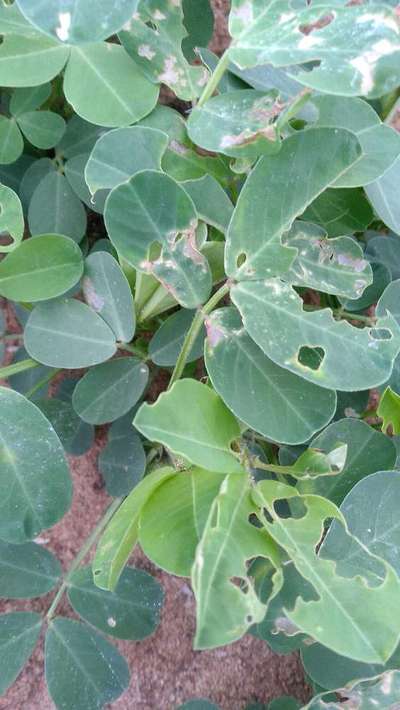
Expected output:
(216, 277)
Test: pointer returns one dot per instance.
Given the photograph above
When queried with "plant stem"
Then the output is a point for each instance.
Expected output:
(133, 349)
(293, 108)
(47, 378)
(215, 78)
(18, 367)
(87, 545)
(339, 312)
(194, 331)
(12, 336)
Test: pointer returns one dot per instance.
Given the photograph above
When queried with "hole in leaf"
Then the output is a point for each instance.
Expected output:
(292, 508)
(323, 21)
(241, 259)
(311, 357)
(249, 619)
(381, 334)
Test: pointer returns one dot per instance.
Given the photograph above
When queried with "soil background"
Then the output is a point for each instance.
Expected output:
(165, 670)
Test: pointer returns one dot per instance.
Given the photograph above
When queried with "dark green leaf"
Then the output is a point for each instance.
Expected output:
(166, 343)
(55, 209)
(110, 390)
(131, 611)
(19, 633)
(93, 673)
(34, 470)
(67, 333)
(41, 268)
(27, 570)
(11, 141)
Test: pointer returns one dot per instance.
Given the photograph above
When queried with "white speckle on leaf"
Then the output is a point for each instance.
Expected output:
(158, 15)
(387, 683)
(144, 50)
(178, 147)
(203, 79)
(111, 622)
(93, 299)
(309, 41)
(62, 31)
(244, 13)
(357, 264)
(285, 17)
(379, 19)
(170, 75)
(365, 63)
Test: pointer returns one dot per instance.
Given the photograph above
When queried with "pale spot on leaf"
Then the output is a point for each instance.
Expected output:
(62, 31)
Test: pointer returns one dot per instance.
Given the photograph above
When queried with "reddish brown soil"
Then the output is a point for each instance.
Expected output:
(165, 670)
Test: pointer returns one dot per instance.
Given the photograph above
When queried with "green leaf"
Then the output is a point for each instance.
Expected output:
(121, 534)
(211, 201)
(75, 173)
(131, 611)
(375, 527)
(121, 153)
(29, 99)
(27, 571)
(385, 249)
(30, 60)
(80, 137)
(170, 541)
(198, 704)
(122, 462)
(157, 206)
(105, 87)
(13, 22)
(41, 268)
(55, 209)
(32, 177)
(373, 292)
(339, 601)
(330, 671)
(64, 421)
(157, 50)
(107, 291)
(239, 124)
(78, 21)
(166, 343)
(389, 411)
(274, 317)
(19, 632)
(340, 211)
(380, 143)
(11, 218)
(77, 440)
(110, 390)
(269, 399)
(180, 159)
(276, 193)
(198, 19)
(100, 674)
(381, 692)
(336, 266)
(383, 197)
(367, 451)
(67, 333)
(11, 142)
(202, 435)
(44, 129)
(184, 271)
(34, 472)
(277, 34)
(224, 609)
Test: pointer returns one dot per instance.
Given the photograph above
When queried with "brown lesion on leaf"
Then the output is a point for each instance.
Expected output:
(323, 21)
(248, 137)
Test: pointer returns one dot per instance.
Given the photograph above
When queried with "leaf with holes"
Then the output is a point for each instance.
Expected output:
(225, 610)
(276, 192)
(158, 49)
(11, 218)
(307, 343)
(268, 398)
(349, 62)
(339, 600)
